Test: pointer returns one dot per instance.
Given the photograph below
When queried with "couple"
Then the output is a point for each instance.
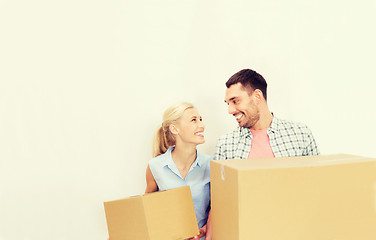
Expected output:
(177, 162)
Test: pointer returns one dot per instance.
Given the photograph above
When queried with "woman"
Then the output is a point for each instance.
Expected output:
(177, 163)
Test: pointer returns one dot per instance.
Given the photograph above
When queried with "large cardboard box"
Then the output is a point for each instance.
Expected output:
(164, 215)
(300, 198)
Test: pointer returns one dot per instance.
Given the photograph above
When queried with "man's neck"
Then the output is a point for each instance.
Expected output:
(264, 122)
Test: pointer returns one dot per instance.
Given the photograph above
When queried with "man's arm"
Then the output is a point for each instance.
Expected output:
(312, 148)
(219, 153)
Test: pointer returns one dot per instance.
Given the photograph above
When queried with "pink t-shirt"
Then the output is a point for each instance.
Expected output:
(260, 146)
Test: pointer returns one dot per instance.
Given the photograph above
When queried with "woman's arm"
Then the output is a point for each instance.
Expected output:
(151, 184)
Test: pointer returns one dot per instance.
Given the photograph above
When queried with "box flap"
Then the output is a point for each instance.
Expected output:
(291, 162)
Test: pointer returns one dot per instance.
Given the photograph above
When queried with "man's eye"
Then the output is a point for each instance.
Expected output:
(194, 120)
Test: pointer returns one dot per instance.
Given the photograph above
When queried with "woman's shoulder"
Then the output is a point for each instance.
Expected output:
(160, 159)
(204, 158)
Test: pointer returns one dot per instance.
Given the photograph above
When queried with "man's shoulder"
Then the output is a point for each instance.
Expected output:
(283, 124)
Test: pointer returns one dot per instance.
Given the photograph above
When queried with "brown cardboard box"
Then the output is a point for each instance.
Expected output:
(300, 198)
(164, 215)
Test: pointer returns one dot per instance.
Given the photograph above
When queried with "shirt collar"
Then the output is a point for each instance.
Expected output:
(274, 125)
(167, 161)
(244, 131)
(272, 129)
(198, 160)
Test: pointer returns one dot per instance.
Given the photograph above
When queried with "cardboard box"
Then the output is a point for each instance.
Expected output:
(299, 198)
(164, 215)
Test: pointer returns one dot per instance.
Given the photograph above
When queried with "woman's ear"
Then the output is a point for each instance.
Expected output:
(173, 129)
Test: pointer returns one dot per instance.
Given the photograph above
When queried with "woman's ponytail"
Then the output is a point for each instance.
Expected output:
(160, 142)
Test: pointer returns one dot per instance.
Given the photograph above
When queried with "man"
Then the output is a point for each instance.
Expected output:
(260, 134)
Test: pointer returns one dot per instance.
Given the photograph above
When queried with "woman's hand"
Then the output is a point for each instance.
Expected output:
(209, 231)
(202, 234)
(205, 231)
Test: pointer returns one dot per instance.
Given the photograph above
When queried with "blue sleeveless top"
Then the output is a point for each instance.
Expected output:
(168, 176)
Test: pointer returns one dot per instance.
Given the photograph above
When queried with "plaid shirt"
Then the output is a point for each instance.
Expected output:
(287, 139)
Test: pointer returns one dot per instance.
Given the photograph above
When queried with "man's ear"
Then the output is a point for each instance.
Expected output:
(258, 95)
(173, 129)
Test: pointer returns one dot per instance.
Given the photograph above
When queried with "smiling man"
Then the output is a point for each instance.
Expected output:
(260, 134)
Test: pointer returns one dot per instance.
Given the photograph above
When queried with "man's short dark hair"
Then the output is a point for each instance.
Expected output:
(250, 80)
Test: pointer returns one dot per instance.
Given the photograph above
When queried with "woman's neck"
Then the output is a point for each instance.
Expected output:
(184, 157)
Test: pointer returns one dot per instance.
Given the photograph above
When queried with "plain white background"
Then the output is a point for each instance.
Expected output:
(83, 85)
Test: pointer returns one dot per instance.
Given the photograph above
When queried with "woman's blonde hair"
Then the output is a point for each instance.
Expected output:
(163, 138)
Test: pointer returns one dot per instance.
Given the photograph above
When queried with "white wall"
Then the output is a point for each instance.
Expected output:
(83, 85)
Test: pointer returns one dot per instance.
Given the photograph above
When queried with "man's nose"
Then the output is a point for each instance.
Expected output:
(231, 109)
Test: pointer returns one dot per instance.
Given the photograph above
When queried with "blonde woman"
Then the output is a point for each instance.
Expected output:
(177, 163)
